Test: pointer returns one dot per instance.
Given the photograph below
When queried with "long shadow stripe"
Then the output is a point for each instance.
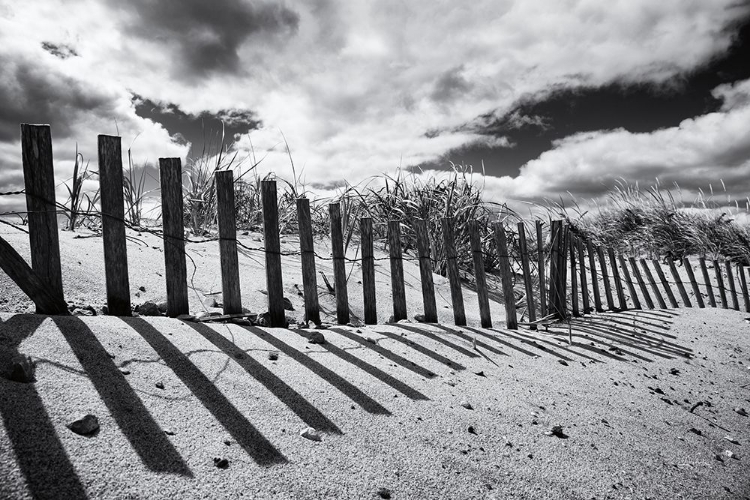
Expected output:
(479, 343)
(595, 332)
(645, 330)
(409, 365)
(500, 341)
(247, 436)
(40, 455)
(348, 389)
(298, 404)
(629, 331)
(638, 341)
(438, 338)
(422, 349)
(134, 420)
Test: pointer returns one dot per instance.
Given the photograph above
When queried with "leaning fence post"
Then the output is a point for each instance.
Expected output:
(680, 286)
(368, 271)
(397, 270)
(39, 183)
(605, 278)
(479, 275)
(175, 269)
(743, 284)
(584, 284)
(230, 268)
(707, 281)
(425, 271)
(540, 268)
(307, 257)
(629, 281)
(274, 282)
(651, 281)
(573, 277)
(693, 283)
(505, 270)
(641, 283)
(523, 249)
(618, 281)
(594, 279)
(339, 264)
(113, 226)
(554, 279)
(720, 282)
(457, 297)
(665, 283)
(732, 287)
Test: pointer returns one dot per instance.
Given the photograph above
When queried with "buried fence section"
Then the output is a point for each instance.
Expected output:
(307, 259)
(425, 271)
(618, 281)
(527, 279)
(459, 315)
(397, 270)
(175, 267)
(541, 262)
(678, 281)
(274, 284)
(368, 271)
(339, 264)
(693, 283)
(511, 319)
(230, 270)
(732, 287)
(39, 184)
(641, 283)
(479, 276)
(113, 225)
(707, 281)
(665, 283)
(720, 284)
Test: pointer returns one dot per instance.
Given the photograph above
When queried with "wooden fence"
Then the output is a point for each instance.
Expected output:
(568, 282)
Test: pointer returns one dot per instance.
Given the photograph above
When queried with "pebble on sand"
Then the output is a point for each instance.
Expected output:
(22, 370)
(310, 433)
(316, 338)
(85, 426)
(221, 463)
(466, 405)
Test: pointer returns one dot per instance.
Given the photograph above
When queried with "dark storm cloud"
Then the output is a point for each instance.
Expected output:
(63, 51)
(210, 34)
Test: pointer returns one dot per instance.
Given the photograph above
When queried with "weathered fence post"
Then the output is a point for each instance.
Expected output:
(425, 271)
(562, 270)
(651, 281)
(113, 226)
(693, 283)
(541, 265)
(230, 267)
(307, 257)
(743, 284)
(274, 284)
(629, 281)
(527, 281)
(665, 283)
(479, 275)
(594, 279)
(397, 270)
(573, 277)
(641, 284)
(39, 183)
(584, 284)
(707, 281)
(720, 283)
(506, 276)
(457, 297)
(368, 271)
(605, 278)
(618, 281)
(175, 269)
(680, 286)
(339, 264)
(732, 287)
(553, 298)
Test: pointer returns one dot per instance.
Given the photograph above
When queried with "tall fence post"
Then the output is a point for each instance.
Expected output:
(641, 284)
(680, 286)
(274, 282)
(693, 283)
(573, 277)
(651, 281)
(743, 284)
(618, 280)
(707, 281)
(732, 287)
(605, 278)
(665, 283)
(339, 264)
(368, 271)
(553, 298)
(629, 281)
(307, 257)
(397, 270)
(457, 297)
(175, 268)
(527, 281)
(541, 270)
(425, 271)
(479, 275)
(113, 226)
(230, 267)
(511, 319)
(584, 284)
(39, 183)
(594, 279)
(720, 283)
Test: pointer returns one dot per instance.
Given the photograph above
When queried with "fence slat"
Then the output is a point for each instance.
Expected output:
(459, 315)
(650, 277)
(113, 226)
(707, 281)
(665, 283)
(618, 281)
(479, 275)
(541, 269)
(743, 285)
(594, 279)
(307, 258)
(631, 286)
(339, 264)
(527, 280)
(732, 287)
(511, 319)
(573, 277)
(175, 267)
(563, 271)
(584, 284)
(554, 259)
(641, 283)
(605, 278)
(425, 271)
(693, 283)
(274, 283)
(39, 184)
(230, 268)
(678, 281)
(368, 271)
(397, 270)
(720, 283)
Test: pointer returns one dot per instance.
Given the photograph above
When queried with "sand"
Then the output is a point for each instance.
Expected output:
(645, 399)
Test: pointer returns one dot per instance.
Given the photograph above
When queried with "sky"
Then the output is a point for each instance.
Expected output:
(542, 99)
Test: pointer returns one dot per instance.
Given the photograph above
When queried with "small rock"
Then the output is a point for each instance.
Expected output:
(310, 433)
(480, 374)
(384, 493)
(288, 304)
(674, 371)
(731, 440)
(718, 457)
(22, 370)
(420, 318)
(124, 371)
(371, 340)
(85, 426)
(562, 362)
(729, 454)
(273, 356)
(142, 288)
(741, 411)
(221, 463)
(316, 338)
(471, 430)
(695, 431)
(148, 308)
(466, 405)
(556, 430)
(159, 385)
(169, 432)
